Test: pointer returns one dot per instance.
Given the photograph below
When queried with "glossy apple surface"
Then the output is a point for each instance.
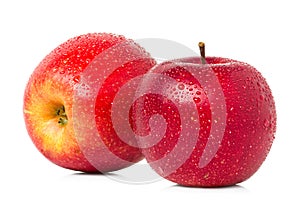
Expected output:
(64, 80)
(216, 121)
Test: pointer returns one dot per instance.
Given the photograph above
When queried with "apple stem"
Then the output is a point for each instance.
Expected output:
(201, 46)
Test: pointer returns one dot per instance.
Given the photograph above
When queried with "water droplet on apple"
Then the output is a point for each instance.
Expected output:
(261, 97)
(196, 99)
(266, 123)
(76, 79)
(181, 86)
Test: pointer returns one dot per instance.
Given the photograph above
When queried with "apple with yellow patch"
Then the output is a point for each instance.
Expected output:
(51, 96)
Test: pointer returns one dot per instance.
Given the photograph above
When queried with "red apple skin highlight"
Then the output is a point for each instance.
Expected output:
(250, 122)
(49, 96)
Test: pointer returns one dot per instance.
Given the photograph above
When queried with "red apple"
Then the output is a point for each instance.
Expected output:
(77, 81)
(215, 118)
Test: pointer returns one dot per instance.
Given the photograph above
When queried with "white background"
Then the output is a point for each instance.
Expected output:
(262, 33)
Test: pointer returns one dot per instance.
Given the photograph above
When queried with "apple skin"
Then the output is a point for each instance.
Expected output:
(250, 121)
(49, 104)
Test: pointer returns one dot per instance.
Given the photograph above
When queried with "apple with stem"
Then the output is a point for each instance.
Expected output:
(215, 117)
(59, 94)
